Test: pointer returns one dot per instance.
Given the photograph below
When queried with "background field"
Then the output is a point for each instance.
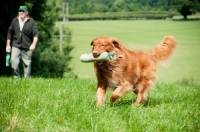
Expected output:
(144, 35)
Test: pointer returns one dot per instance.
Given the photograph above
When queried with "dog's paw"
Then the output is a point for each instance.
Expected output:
(136, 104)
(113, 98)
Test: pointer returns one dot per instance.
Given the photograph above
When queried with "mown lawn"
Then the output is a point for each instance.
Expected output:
(144, 35)
(68, 105)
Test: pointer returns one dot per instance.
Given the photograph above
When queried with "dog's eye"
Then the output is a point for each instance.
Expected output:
(102, 45)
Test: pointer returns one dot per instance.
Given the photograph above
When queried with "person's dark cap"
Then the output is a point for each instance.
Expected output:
(23, 8)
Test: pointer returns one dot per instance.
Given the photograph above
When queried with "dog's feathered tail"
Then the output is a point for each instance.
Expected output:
(164, 50)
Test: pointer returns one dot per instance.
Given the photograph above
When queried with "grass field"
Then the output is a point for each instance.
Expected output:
(144, 35)
(68, 105)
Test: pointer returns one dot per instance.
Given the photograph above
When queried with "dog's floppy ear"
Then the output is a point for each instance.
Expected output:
(91, 43)
(116, 43)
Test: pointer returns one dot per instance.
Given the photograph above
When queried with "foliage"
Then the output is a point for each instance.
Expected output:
(186, 7)
(51, 105)
(123, 15)
(55, 63)
(81, 6)
(45, 13)
(51, 62)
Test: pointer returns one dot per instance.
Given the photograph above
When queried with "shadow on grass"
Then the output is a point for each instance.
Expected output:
(153, 102)
(150, 102)
(123, 102)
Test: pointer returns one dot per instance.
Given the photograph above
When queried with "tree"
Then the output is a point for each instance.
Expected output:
(118, 5)
(186, 7)
(50, 61)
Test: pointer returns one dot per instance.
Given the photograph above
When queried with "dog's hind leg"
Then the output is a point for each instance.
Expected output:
(100, 96)
(142, 90)
(141, 97)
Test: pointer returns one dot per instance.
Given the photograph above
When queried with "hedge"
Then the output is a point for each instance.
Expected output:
(122, 16)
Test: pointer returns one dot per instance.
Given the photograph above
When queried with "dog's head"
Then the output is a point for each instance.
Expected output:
(105, 44)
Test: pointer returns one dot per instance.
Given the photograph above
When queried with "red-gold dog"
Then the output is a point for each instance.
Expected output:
(131, 71)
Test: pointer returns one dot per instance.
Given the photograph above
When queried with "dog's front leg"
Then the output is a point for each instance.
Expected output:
(120, 91)
(100, 96)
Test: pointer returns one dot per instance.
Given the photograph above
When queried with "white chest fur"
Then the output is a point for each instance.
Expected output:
(112, 83)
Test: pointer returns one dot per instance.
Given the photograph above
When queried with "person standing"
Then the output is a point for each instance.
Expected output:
(22, 37)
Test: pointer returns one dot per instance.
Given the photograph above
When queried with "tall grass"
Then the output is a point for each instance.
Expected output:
(142, 35)
(68, 105)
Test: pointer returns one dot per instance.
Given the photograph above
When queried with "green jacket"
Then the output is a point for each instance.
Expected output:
(24, 38)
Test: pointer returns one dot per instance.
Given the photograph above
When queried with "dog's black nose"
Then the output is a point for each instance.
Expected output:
(94, 53)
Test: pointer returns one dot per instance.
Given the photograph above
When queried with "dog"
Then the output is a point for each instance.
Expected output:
(131, 71)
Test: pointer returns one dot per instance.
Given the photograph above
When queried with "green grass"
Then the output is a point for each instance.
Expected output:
(68, 105)
(142, 35)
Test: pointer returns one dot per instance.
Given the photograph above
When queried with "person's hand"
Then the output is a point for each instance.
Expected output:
(8, 48)
(32, 47)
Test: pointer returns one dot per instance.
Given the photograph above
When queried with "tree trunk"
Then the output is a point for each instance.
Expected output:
(184, 17)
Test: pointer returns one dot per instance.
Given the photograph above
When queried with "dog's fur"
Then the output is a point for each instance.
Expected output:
(131, 71)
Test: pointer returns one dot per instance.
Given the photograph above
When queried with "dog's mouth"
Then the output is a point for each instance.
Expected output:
(96, 56)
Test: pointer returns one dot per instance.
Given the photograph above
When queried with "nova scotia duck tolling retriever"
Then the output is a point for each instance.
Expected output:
(131, 71)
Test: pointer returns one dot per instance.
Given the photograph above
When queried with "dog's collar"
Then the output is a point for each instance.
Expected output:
(109, 67)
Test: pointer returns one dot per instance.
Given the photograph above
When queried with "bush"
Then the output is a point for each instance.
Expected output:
(122, 15)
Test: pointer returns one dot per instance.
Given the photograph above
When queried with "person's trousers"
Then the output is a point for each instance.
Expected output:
(26, 56)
